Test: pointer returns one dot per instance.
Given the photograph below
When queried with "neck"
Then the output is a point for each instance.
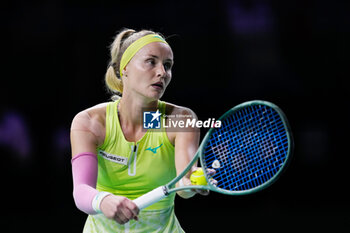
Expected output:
(131, 109)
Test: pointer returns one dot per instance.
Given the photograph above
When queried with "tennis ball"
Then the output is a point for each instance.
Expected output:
(198, 177)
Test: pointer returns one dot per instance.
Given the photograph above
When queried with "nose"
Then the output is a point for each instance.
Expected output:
(161, 71)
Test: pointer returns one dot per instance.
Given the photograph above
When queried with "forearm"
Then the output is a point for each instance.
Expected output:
(84, 169)
(83, 197)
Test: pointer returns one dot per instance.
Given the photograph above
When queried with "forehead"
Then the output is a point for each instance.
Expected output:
(159, 49)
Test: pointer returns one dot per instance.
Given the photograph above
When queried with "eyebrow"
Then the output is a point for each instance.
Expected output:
(155, 56)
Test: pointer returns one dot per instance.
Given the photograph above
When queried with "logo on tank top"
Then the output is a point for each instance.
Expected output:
(113, 158)
(154, 150)
(151, 120)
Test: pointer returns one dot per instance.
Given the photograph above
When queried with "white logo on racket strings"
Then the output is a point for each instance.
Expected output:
(216, 164)
(113, 158)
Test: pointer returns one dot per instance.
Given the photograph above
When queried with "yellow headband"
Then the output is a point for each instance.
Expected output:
(136, 46)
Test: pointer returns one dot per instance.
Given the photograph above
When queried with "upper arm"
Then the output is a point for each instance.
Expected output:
(186, 142)
(85, 134)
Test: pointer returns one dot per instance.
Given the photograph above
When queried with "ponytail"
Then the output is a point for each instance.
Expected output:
(113, 83)
(112, 77)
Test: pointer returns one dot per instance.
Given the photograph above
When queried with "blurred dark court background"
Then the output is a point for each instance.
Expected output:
(293, 53)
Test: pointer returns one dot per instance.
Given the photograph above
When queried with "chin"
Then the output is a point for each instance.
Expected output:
(153, 96)
(156, 95)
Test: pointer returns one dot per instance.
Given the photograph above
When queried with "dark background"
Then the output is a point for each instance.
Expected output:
(293, 53)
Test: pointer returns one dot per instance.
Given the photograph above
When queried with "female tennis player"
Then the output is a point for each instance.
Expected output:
(114, 159)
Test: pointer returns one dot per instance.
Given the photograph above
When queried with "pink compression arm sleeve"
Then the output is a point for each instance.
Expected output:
(84, 168)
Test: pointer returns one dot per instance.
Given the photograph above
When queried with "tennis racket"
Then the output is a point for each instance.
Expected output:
(248, 152)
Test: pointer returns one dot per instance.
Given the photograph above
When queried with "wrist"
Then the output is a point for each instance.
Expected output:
(96, 202)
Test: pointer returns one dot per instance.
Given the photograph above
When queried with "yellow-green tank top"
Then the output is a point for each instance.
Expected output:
(132, 169)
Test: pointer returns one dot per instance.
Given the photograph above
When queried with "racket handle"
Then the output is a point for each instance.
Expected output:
(151, 197)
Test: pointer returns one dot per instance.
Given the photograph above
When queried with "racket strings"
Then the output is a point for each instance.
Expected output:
(250, 147)
(258, 165)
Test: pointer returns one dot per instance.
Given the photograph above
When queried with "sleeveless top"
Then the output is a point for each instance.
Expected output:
(131, 169)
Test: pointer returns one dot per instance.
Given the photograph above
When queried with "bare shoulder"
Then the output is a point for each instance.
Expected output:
(174, 111)
(176, 116)
(92, 114)
(97, 112)
(91, 120)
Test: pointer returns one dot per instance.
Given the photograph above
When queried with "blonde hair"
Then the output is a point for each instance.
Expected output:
(121, 42)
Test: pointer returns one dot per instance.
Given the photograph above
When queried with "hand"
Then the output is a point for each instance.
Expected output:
(205, 192)
(191, 192)
(119, 208)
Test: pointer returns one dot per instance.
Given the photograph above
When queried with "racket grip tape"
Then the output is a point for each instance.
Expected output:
(151, 197)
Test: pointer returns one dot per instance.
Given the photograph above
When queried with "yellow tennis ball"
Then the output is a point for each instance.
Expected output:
(198, 177)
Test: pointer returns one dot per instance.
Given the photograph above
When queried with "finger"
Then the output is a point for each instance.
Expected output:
(132, 207)
(211, 172)
(127, 213)
(203, 192)
(120, 218)
(213, 182)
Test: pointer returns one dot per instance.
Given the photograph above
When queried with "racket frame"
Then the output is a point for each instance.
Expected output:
(200, 153)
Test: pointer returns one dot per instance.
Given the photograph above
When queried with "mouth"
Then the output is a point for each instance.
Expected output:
(158, 85)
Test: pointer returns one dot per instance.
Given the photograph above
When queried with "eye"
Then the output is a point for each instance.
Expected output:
(167, 65)
(151, 61)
